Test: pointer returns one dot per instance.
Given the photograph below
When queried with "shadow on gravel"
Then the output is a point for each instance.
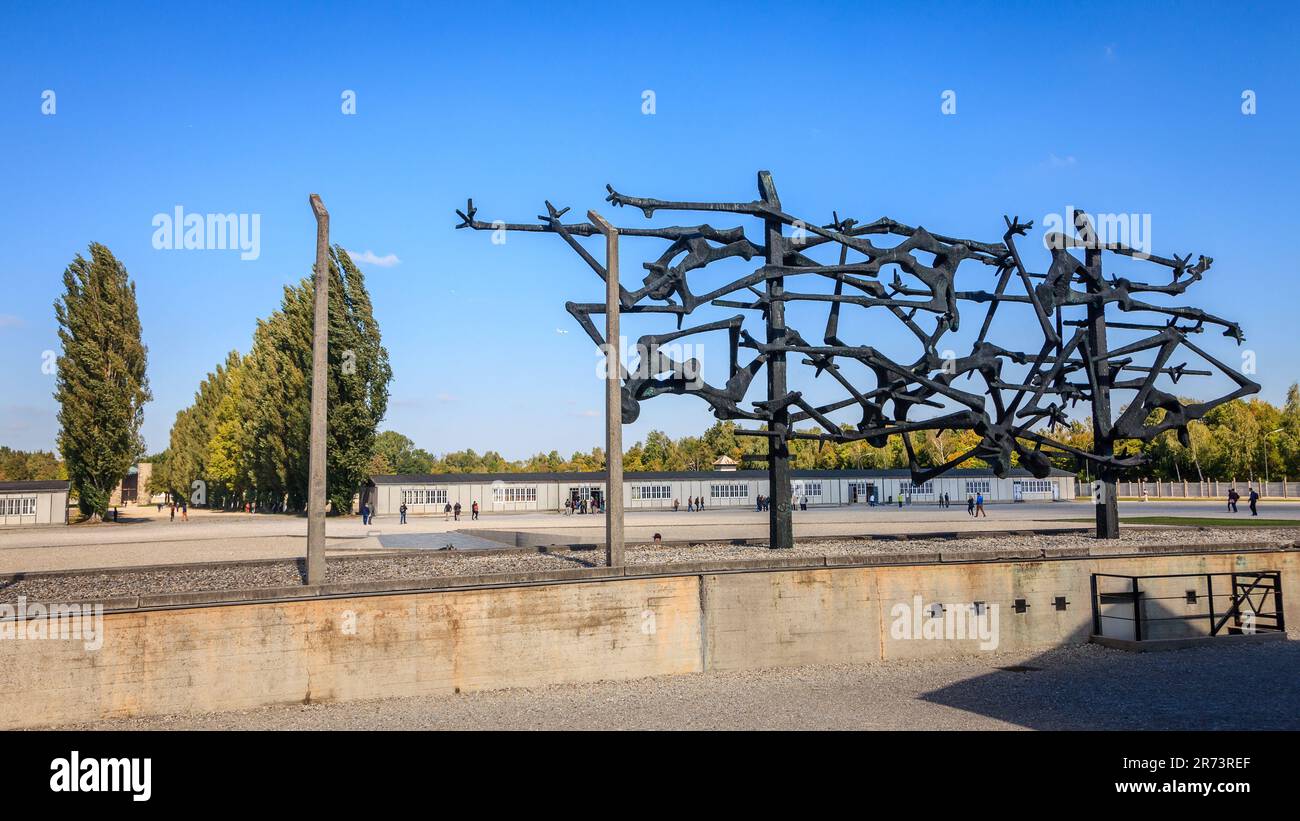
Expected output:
(437, 541)
(1089, 687)
(588, 558)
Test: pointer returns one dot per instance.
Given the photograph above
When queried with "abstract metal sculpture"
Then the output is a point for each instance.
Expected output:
(1013, 415)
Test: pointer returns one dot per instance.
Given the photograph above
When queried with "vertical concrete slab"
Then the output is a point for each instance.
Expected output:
(791, 618)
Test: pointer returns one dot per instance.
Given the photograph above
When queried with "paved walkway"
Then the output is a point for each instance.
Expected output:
(145, 537)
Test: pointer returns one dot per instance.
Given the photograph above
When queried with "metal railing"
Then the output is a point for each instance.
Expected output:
(1142, 608)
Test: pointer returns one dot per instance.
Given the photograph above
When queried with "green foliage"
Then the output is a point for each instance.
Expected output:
(1242, 439)
(247, 434)
(102, 384)
(22, 466)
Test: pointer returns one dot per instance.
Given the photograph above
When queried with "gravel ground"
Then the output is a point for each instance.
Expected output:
(432, 564)
(1080, 687)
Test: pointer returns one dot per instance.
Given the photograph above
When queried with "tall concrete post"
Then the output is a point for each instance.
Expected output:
(780, 524)
(319, 375)
(613, 399)
(1103, 440)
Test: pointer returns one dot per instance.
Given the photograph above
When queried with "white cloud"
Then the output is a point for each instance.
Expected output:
(370, 258)
(561, 331)
(447, 397)
(587, 413)
(11, 321)
(1061, 162)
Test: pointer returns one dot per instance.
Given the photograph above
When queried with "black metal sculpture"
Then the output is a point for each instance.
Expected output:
(1067, 367)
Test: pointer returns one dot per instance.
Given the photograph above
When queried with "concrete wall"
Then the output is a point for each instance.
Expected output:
(603, 625)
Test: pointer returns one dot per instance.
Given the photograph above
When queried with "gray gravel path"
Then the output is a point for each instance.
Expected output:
(1081, 687)
(434, 564)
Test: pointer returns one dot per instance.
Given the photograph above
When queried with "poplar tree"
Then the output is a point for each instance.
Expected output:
(102, 385)
(247, 434)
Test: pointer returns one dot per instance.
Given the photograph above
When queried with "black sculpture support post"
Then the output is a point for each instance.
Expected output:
(613, 399)
(1103, 437)
(778, 459)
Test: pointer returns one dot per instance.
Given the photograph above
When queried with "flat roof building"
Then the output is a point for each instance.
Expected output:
(33, 503)
(505, 492)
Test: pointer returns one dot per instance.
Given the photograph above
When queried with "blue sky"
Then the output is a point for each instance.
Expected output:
(1125, 108)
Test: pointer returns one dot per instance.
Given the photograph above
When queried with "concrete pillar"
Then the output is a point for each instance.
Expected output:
(319, 392)
(613, 399)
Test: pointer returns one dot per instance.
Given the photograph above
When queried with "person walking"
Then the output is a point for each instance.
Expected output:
(402, 511)
(185, 512)
(803, 503)
(690, 504)
(568, 507)
(970, 505)
(1232, 499)
(455, 512)
(173, 513)
(473, 511)
(365, 514)
(1254, 500)
(446, 512)
(677, 505)
(979, 506)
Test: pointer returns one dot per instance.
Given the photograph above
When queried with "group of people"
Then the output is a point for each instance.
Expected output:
(588, 505)
(975, 506)
(1234, 497)
(450, 512)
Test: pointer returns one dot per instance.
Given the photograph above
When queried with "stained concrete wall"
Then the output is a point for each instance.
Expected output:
(544, 631)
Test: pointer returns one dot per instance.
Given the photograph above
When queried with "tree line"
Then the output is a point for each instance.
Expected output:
(23, 465)
(245, 438)
(1243, 439)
